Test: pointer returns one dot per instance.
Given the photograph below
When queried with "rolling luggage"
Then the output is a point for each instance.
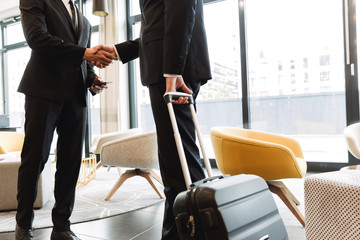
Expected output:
(237, 207)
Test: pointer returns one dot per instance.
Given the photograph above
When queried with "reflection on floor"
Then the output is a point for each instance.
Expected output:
(144, 224)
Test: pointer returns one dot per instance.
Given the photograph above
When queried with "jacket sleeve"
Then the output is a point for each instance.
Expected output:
(128, 50)
(179, 17)
(33, 19)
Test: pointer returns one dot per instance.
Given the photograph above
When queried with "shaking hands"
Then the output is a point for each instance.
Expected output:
(100, 55)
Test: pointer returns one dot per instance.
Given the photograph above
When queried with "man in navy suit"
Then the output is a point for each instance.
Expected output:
(55, 84)
(173, 57)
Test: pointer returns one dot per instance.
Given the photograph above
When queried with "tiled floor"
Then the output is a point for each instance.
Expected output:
(144, 224)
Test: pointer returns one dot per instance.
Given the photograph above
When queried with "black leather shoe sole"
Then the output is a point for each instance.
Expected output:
(66, 235)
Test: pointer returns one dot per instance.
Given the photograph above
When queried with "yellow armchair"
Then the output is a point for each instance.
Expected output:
(270, 156)
(11, 143)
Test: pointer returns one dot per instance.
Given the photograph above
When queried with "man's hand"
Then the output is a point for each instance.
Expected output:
(174, 83)
(100, 55)
(98, 85)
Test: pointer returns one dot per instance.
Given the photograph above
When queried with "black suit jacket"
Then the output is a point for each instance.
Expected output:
(172, 40)
(56, 62)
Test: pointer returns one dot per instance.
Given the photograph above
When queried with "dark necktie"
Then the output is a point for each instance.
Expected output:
(73, 13)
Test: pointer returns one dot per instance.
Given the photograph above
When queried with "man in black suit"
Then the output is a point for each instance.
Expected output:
(173, 56)
(55, 84)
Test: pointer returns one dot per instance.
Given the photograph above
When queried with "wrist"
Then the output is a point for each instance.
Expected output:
(86, 54)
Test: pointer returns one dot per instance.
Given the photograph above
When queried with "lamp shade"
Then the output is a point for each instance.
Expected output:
(100, 8)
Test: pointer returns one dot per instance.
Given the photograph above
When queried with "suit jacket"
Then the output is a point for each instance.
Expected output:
(172, 40)
(56, 62)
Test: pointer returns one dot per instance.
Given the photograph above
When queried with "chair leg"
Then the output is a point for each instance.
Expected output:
(98, 165)
(120, 181)
(287, 197)
(147, 176)
(288, 193)
(135, 172)
(155, 176)
(119, 170)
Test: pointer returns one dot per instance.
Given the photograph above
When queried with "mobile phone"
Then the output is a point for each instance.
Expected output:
(103, 83)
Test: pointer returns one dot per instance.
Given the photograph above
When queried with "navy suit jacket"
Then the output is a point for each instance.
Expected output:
(56, 62)
(172, 40)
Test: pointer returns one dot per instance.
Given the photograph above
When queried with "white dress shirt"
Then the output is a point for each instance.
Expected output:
(67, 5)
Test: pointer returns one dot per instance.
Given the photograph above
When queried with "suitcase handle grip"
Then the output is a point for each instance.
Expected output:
(209, 179)
(168, 97)
(176, 95)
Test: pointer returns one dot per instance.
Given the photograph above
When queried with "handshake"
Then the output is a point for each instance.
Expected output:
(100, 55)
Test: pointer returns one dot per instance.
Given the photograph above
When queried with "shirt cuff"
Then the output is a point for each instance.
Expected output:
(171, 75)
(117, 54)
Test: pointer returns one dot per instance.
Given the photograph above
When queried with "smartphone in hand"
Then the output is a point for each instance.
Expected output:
(98, 82)
(103, 83)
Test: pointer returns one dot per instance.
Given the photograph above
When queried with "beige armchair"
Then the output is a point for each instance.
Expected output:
(138, 152)
(107, 137)
(10, 149)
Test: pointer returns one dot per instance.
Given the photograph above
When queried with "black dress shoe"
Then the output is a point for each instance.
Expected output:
(23, 234)
(66, 235)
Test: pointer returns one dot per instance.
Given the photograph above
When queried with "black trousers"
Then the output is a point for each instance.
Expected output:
(169, 162)
(42, 117)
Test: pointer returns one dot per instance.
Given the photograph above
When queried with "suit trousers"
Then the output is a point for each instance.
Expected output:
(42, 117)
(169, 161)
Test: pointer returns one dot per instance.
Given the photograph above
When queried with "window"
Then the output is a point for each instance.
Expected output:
(305, 63)
(16, 62)
(324, 76)
(94, 101)
(225, 87)
(306, 77)
(14, 55)
(13, 33)
(325, 60)
(292, 78)
(305, 113)
(295, 84)
(292, 64)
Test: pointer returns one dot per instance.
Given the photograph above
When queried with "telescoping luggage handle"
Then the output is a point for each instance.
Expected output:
(169, 97)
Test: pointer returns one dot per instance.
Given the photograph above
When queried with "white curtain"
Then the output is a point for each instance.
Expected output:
(112, 30)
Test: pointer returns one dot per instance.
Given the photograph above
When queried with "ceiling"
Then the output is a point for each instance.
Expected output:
(8, 4)
(9, 8)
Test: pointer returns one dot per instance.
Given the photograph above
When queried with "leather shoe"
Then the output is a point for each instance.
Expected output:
(23, 234)
(66, 235)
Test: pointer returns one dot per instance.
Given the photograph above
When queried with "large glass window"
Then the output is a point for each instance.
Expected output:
(94, 101)
(16, 63)
(295, 68)
(223, 92)
(14, 57)
(14, 34)
(220, 100)
(309, 101)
